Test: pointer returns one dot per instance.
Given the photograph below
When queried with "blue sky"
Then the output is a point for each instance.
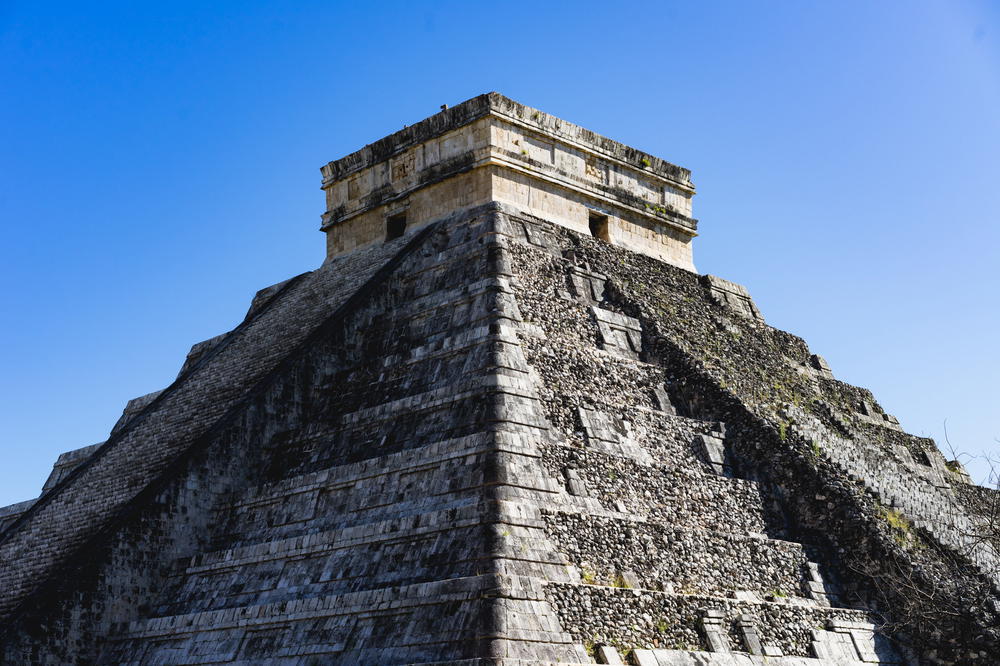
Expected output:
(159, 164)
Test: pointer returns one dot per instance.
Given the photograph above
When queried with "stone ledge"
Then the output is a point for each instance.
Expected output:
(497, 104)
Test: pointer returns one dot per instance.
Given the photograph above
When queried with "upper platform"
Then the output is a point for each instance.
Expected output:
(491, 148)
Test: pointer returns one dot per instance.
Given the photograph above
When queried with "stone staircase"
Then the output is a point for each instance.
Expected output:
(650, 515)
(930, 506)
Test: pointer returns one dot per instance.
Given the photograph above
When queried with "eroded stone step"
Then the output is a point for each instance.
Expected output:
(446, 474)
(936, 509)
(686, 497)
(411, 423)
(481, 537)
(381, 555)
(435, 476)
(649, 619)
(353, 628)
(640, 553)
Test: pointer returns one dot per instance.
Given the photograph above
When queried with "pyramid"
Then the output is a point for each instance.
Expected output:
(505, 423)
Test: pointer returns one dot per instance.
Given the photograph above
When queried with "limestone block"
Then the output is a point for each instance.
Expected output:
(644, 658)
(620, 334)
(11, 512)
(607, 654)
(712, 451)
(574, 484)
(748, 632)
(70, 460)
(612, 434)
(833, 645)
(820, 365)
(818, 588)
(733, 296)
(663, 402)
(133, 407)
(586, 285)
(199, 350)
(713, 625)
(959, 472)
(263, 296)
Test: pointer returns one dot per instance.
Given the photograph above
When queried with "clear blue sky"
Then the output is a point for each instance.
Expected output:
(159, 164)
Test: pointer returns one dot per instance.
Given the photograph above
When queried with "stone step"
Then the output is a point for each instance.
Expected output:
(640, 618)
(423, 548)
(478, 537)
(638, 552)
(438, 475)
(684, 496)
(333, 629)
(423, 417)
(936, 509)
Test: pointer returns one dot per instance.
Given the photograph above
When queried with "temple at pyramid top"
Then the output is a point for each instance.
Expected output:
(491, 148)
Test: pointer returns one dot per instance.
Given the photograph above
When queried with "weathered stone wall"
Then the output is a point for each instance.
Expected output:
(681, 497)
(420, 183)
(632, 618)
(654, 555)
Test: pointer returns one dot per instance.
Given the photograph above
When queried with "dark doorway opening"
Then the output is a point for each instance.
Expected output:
(599, 227)
(395, 226)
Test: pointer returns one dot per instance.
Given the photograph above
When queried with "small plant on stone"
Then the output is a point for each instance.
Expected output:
(902, 528)
(783, 431)
(662, 625)
(588, 577)
(619, 581)
(896, 520)
(645, 162)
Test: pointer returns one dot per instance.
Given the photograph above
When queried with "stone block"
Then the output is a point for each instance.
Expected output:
(748, 633)
(607, 654)
(662, 400)
(712, 451)
(620, 334)
(586, 286)
(732, 296)
(644, 658)
(713, 625)
(820, 365)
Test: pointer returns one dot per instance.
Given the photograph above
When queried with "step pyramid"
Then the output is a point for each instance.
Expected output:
(504, 423)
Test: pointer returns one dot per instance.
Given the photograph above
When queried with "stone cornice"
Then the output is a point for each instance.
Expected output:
(514, 112)
(664, 216)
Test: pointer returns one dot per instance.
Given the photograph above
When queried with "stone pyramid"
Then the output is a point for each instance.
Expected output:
(505, 423)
